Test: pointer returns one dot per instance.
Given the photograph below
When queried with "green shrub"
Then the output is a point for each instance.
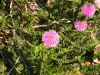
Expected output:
(21, 29)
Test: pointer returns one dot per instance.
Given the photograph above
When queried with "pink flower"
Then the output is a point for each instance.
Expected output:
(80, 25)
(88, 10)
(97, 3)
(50, 38)
(32, 6)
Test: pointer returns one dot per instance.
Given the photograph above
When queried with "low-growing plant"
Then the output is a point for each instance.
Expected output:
(49, 37)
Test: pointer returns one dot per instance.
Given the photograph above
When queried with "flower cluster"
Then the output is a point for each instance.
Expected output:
(50, 38)
(88, 10)
(80, 25)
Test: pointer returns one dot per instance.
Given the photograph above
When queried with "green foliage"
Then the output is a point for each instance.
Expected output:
(22, 51)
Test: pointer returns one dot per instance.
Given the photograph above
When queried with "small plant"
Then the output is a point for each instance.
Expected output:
(49, 37)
